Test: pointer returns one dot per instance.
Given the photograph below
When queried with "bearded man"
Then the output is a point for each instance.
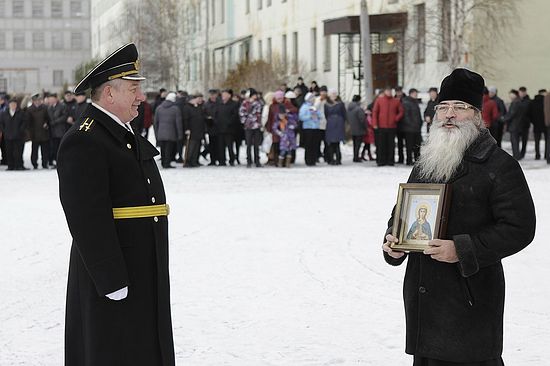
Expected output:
(454, 291)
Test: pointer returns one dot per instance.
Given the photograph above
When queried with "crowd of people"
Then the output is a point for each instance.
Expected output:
(190, 126)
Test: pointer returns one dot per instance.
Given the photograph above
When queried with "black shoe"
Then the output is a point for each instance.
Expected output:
(179, 160)
(232, 163)
(21, 168)
(35, 166)
(249, 165)
(212, 163)
(258, 165)
(168, 167)
(537, 157)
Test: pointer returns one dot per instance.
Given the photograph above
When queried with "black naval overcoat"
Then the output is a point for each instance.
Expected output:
(454, 312)
(101, 166)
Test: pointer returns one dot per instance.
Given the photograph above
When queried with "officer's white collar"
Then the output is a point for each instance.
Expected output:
(117, 120)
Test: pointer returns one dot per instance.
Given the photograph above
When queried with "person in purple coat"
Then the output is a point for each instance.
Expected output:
(285, 127)
(335, 113)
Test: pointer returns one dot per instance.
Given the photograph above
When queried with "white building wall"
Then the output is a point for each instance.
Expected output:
(31, 69)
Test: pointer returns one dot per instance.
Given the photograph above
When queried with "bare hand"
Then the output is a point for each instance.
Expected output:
(386, 247)
(442, 250)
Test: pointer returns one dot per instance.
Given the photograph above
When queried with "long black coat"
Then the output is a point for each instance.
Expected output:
(412, 118)
(58, 120)
(13, 127)
(454, 311)
(38, 117)
(100, 168)
(536, 113)
(227, 117)
(194, 120)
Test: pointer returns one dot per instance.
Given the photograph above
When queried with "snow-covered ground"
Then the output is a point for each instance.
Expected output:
(268, 267)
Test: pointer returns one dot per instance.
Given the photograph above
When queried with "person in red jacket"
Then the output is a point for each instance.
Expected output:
(490, 113)
(386, 114)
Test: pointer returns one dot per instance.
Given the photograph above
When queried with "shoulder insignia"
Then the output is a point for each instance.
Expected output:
(86, 125)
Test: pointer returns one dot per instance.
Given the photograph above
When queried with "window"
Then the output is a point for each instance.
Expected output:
(213, 12)
(57, 9)
(18, 40)
(2, 40)
(420, 13)
(18, 10)
(57, 41)
(38, 42)
(58, 77)
(260, 4)
(37, 8)
(268, 51)
(260, 50)
(2, 8)
(445, 40)
(76, 40)
(268, 3)
(222, 11)
(295, 52)
(3, 85)
(313, 49)
(76, 9)
(247, 9)
(326, 61)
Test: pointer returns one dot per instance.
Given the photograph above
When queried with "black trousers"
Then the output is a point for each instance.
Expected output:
(213, 148)
(225, 141)
(54, 146)
(538, 135)
(179, 149)
(385, 146)
(357, 141)
(44, 153)
(192, 153)
(253, 140)
(412, 143)
(3, 151)
(401, 141)
(14, 150)
(167, 151)
(514, 139)
(311, 144)
(334, 155)
(524, 139)
(323, 152)
(547, 149)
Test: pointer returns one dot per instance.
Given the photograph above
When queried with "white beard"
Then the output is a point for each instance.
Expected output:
(442, 152)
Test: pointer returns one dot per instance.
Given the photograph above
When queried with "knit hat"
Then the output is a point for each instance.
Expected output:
(171, 97)
(464, 85)
(309, 97)
(279, 94)
(290, 95)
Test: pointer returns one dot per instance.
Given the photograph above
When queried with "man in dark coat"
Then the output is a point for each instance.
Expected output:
(356, 119)
(513, 120)
(168, 128)
(454, 291)
(13, 124)
(499, 126)
(3, 106)
(118, 293)
(39, 125)
(194, 125)
(525, 102)
(227, 116)
(536, 116)
(429, 112)
(81, 105)
(58, 125)
(211, 126)
(411, 125)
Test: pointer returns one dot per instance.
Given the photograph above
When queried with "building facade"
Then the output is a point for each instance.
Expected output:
(41, 43)
(414, 43)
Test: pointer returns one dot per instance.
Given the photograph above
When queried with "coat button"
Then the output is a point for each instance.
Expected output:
(422, 289)
(156, 219)
(148, 181)
(128, 146)
(153, 199)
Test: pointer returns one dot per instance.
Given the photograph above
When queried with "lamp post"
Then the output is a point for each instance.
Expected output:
(367, 55)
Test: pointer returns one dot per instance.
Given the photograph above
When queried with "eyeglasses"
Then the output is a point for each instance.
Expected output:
(458, 108)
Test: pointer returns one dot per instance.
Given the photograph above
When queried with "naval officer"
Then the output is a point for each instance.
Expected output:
(118, 294)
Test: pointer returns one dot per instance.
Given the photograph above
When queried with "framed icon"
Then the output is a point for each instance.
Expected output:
(421, 214)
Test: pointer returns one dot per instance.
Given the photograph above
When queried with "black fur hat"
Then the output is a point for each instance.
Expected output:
(464, 85)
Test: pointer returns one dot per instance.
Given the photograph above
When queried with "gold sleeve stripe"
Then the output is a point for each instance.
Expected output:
(141, 211)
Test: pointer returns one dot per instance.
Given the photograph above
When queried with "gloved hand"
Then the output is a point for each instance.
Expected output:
(119, 294)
